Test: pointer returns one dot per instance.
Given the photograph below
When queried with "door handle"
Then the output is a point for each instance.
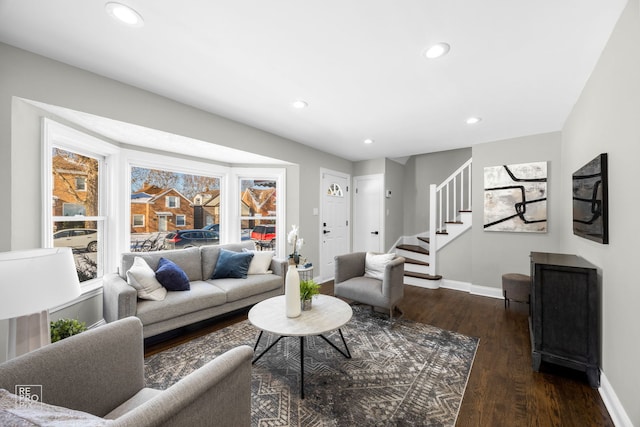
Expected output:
(325, 231)
(374, 232)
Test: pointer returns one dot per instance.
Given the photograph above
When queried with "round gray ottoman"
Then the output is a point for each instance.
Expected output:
(515, 287)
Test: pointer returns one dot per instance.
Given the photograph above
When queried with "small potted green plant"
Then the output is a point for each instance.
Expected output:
(308, 288)
(63, 328)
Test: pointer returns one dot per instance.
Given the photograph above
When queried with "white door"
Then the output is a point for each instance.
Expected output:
(162, 223)
(368, 220)
(334, 220)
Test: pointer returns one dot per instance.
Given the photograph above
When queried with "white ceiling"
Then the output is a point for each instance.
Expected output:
(520, 65)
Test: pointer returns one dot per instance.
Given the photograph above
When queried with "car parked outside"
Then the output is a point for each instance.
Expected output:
(264, 235)
(76, 238)
(212, 227)
(190, 238)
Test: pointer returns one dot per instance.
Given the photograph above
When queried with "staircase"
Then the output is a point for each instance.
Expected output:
(449, 217)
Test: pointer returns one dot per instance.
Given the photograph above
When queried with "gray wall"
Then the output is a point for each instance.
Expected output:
(394, 206)
(495, 253)
(420, 172)
(606, 119)
(368, 167)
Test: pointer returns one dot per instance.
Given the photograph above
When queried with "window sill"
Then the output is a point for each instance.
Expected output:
(87, 291)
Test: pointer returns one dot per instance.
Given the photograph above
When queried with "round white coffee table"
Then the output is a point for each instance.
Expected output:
(327, 314)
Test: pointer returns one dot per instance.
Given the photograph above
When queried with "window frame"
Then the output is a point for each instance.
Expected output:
(133, 158)
(277, 174)
(169, 199)
(184, 220)
(133, 221)
(83, 187)
(56, 135)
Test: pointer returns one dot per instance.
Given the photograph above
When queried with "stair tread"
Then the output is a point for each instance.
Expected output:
(464, 210)
(415, 261)
(424, 239)
(414, 248)
(453, 222)
(442, 232)
(422, 275)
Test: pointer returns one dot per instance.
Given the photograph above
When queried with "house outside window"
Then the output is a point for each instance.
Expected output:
(138, 221)
(169, 201)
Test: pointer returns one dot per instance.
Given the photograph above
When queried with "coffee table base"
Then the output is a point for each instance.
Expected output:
(346, 354)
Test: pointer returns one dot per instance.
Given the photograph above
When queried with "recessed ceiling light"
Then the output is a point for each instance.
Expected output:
(124, 14)
(437, 50)
(368, 141)
(474, 120)
(299, 104)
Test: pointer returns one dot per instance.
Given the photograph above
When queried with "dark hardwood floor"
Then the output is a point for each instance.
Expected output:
(502, 389)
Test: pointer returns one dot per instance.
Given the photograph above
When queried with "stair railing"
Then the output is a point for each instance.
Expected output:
(445, 202)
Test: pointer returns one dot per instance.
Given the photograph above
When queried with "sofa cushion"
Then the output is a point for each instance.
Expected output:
(188, 259)
(143, 279)
(237, 289)
(375, 264)
(260, 262)
(202, 295)
(171, 276)
(231, 264)
(15, 412)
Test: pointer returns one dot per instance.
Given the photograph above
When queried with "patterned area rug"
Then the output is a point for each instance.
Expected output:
(400, 373)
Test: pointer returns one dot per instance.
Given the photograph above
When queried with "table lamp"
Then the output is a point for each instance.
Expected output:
(33, 281)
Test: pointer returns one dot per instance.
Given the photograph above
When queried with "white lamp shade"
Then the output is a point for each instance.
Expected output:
(35, 280)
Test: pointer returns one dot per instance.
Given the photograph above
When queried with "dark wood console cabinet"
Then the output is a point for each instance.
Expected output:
(565, 313)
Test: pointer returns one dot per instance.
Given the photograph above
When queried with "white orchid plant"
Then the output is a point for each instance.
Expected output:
(296, 243)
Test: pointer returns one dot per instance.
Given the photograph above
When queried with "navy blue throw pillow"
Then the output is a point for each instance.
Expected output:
(171, 276)
(231, 264)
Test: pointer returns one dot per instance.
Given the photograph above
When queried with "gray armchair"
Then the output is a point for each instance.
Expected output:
(101, 372)
(351, 283)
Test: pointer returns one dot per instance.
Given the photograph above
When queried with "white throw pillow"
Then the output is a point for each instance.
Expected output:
(143, 278)
(17, 411)
(375, 264)
(260, 262)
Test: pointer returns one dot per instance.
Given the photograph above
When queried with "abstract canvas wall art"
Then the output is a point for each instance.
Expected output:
(590, 204)
(515, 198)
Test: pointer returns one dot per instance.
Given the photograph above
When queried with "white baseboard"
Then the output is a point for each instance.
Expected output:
(485, 291)
(455, 285)
(616, 410)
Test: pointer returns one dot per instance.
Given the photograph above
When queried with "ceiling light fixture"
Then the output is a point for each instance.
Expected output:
(368, 141)
(473, 120)
(437, 50)
(299, 104)
(124, 14)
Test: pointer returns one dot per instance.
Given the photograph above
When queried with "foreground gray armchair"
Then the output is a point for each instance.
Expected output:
(351, 283)
(101, 372)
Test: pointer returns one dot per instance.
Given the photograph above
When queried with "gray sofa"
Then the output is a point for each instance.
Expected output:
(101, 372)
(206, 299)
